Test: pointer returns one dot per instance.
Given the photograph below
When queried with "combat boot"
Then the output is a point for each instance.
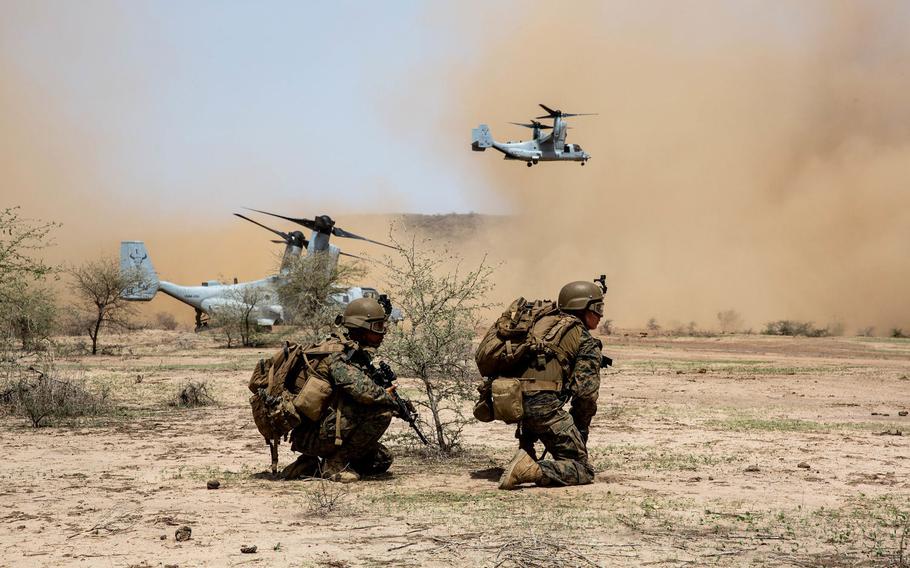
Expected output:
(522, 469)
(304, 466)
(335, 470)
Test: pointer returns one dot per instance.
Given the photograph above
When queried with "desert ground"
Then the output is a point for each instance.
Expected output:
(737, 450)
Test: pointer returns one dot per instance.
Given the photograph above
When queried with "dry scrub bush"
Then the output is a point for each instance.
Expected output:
(324, 497)
(235, 320)
(804, 328)
(688, 330)
(40, 397)
(29, 315)
(26, 309)
(306, 291)
(165, 321)
(20, 239)
(440, 304)
(192, 395)
(99, 286)
(729, 321)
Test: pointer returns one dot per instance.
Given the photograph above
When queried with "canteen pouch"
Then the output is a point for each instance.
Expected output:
(313, 397)
(507, 402)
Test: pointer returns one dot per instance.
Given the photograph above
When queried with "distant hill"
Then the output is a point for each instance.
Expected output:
(449, 226)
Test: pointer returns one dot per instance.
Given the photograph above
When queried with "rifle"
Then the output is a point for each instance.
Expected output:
(385, 377)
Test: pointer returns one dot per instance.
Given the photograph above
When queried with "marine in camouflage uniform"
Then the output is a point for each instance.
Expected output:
(563, 434)
(346, 437)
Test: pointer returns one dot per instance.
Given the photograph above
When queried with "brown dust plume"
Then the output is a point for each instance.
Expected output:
(749, 159)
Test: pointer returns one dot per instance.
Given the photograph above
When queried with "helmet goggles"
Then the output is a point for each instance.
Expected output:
(377, 326)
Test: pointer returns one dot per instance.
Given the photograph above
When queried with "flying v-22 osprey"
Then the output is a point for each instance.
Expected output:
(549, 147)
(213, 296)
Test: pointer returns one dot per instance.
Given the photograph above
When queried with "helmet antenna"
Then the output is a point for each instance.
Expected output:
(602, 281)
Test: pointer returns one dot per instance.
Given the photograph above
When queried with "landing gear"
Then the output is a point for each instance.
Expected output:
(584, 162)
(530, 164)
(202, 320)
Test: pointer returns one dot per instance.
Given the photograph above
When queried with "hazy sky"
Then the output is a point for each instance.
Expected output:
(181, 105)
(748, 154)
(240, 102)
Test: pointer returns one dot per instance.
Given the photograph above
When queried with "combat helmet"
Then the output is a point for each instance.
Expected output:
(364, 313)
(581, 295)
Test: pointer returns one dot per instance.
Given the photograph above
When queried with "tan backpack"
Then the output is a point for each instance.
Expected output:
(523, 351)
(526, 334)
(287, 389)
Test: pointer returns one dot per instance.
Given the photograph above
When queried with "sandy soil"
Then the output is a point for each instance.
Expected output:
(738, 450)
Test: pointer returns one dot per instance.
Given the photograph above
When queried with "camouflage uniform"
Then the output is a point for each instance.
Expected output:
(565, 434)
(365, 408)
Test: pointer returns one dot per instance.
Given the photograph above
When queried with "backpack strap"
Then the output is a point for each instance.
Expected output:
(555, 335)
(338, 405)
(273, 449)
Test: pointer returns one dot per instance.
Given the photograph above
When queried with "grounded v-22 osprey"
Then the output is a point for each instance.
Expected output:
(549, 147)
(213, 296)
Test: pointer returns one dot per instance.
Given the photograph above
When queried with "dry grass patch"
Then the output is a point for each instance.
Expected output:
(44, 399)
(192, 395)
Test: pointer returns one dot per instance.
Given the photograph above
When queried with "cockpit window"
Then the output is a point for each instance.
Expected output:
(577, 148)
(568, 148)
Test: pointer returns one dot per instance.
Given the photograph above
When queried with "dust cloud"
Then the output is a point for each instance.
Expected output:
(746, 156)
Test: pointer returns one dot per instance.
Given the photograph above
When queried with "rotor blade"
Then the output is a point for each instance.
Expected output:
(284, 236)
(278, 242)
(351, 255)
(549, 110)
(339, 232)
(538, 125)
(567, 115)
(308, 223)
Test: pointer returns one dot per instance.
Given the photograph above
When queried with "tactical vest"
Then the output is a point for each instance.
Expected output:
(533, 341)
(530, 348)
(292, 386)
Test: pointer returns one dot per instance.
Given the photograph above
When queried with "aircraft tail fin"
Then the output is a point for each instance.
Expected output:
(481, 139)
(136, 266)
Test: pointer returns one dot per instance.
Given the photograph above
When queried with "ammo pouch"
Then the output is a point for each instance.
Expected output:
(507, 400)
(313, 398)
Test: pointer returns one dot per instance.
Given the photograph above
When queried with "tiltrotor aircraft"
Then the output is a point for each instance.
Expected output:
(212, 295)
(549, 147)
